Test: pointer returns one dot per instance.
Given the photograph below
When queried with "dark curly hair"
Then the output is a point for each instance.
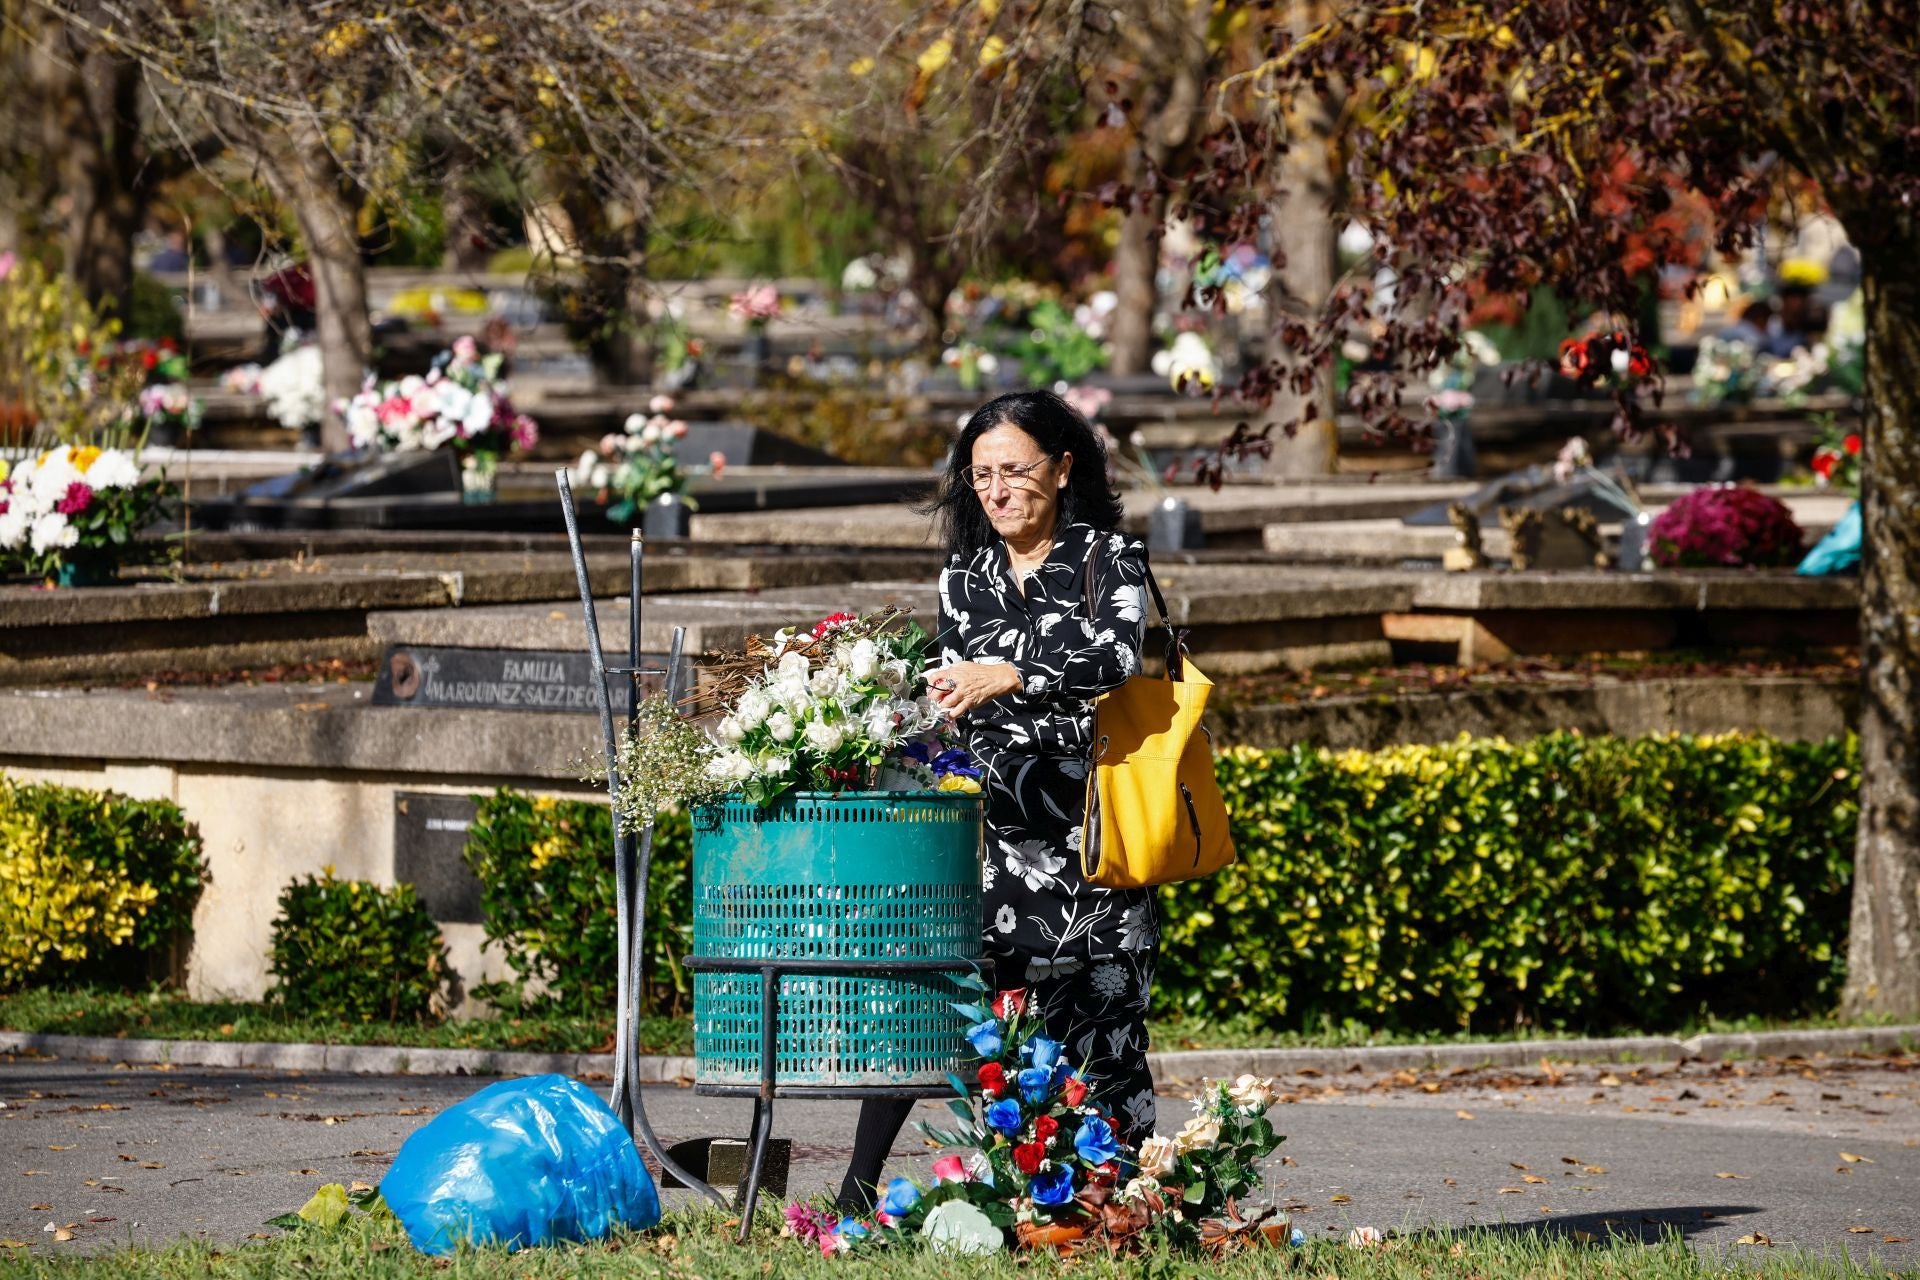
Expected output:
(1058, 428)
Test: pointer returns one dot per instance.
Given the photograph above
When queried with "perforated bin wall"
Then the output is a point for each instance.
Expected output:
(857, 876)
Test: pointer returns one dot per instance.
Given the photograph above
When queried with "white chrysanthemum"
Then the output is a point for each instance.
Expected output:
(53, 532)
(864, 659)
(114, 469)
(13, 527)
(781, 726)
(753, 708)
(792, 664)
(479, 414)
(824, 736)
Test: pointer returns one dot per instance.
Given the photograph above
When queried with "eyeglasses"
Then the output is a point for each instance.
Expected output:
(1014, 475)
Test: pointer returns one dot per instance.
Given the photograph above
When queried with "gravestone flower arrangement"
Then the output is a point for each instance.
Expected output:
(167, 409)
(70, 515)
(462, 403)
(1729, 526)
(639, 464)
(1836, 460)
(1048, 1171)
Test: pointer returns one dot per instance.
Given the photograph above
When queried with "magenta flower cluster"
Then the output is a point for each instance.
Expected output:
(1725, 526)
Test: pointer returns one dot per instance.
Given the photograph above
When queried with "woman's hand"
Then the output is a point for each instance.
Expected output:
(966, 685)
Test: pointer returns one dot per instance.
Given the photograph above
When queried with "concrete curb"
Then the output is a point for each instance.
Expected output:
(1173, 1067)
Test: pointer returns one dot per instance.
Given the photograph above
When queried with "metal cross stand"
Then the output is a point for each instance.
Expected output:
(632, 857)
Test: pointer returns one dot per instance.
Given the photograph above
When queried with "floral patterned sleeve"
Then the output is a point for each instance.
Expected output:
(1081, 659)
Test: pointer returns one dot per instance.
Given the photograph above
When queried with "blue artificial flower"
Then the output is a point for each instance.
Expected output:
(901, 1196)
(918, 751)
(1004, 1115)
(851, 1229)
(985, 1039)
(1061, 1070)
(1055, 1186)
(1041, 1052)
(1036, 1084)
(1095, 1142)
(955, 761)
(1296, 1237)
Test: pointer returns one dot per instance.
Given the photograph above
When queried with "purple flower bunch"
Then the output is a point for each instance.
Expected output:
(1725, 526)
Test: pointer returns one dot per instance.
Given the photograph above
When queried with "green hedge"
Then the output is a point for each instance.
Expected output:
(353, 951)
(1567, 880)
(1585, 882)
(95, 887)
(547, 896)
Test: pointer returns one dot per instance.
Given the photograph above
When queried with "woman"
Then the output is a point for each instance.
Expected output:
(1025, 647)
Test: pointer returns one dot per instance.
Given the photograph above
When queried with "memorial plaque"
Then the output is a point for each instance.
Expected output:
(503, 679)
(429, 839)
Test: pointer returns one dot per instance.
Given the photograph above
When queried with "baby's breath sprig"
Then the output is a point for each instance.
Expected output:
(663, 761)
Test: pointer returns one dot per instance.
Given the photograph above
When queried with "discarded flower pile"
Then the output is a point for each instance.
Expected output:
(840, 707)
(1048, 1169)
(70, 509)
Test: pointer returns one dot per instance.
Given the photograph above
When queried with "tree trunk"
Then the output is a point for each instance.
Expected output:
(1883, 953)
(310, 183)
(100, 176)
(1136, 266)
(610, 243)
(1306, 255)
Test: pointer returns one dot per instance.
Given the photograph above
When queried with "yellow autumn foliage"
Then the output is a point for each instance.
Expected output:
(56, 907)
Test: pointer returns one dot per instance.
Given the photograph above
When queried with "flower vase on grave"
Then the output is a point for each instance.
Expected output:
(758, 352)
(479, 476)
(1453, 456)
(87, 567)
(667, 516)
(1632, 557)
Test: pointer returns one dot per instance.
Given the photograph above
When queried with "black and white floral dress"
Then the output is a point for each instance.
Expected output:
(1085, 954)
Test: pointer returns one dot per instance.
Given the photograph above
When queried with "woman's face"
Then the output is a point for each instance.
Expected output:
(1023, 509)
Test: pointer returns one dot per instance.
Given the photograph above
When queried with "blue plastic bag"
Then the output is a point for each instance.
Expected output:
(1839, 551)
(523, 1162)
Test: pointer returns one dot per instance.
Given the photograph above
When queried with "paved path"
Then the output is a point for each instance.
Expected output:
(1718, 1151)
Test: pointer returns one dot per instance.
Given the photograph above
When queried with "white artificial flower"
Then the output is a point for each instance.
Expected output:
(650, 434)
(864, 659)
(753, 708)
(1253, 1094)
(114, 469)
(659, 404)
(1198, 1134)
(879, 723)
(789, 691)
(635, 421)
(775, 765)
(988, 363)
(792, 663)
(1137, 1188)
(479, 414)
(455, 401)
(823, 683)
(781, 726)
(53, 532)
(731, 766)
(894, 674)
(411, 386)
(1157, 1156)
(824, 736)
(730, 730)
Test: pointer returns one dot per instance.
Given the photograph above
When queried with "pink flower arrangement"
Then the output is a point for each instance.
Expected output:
(755, 305)
(1725, 526)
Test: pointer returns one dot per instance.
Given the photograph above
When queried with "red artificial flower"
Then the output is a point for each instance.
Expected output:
(166, 345)
(148, 359)
(1044, 1128)
(1010, 1004)
(993, 1079)
(1824, 461)
(829, 622)
(1639, 363)
(1103, 1175)
(77, 498)
(1575, 358)
(1027, 1157)
(83, 347)
(1851, 444)
(1075, 1091)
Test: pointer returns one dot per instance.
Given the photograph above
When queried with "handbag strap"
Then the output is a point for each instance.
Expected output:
(1176, 637)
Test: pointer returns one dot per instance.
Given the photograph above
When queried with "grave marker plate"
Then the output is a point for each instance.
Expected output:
(502, 679)
(429, 836)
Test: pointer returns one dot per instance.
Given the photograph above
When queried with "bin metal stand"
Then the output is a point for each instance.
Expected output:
(631, 859)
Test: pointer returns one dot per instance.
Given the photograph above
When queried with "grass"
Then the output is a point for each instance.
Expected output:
(699, 1246)
(169, 1015)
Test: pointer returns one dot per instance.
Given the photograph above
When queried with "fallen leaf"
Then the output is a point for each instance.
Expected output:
(1569, 1160)
(1429, 1086)
(126, 1157)
(1464, 1115)
(152, 1164)
(1610, 1080)
(68, 1147)
(62, 1236)
(1535, 1179)
(1756, 1237)
(1895, 1239)
(1593, 1168)
(1340, 1199)
(1742, 1177)
(1857, 1231)
(13, 1244)
(47, 1208)
(1515, 1164)
(306, 1172)
(1450, 1182)
(1848, 1156)
(1584, 1237)
(1513, 1191)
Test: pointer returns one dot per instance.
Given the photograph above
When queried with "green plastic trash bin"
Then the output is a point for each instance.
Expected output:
(869, 876)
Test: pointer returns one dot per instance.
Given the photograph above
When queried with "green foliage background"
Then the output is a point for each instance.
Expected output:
(356, 952)
(1569, 880)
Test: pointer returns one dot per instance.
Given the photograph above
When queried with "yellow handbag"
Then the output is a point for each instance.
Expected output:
(1154, 810)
